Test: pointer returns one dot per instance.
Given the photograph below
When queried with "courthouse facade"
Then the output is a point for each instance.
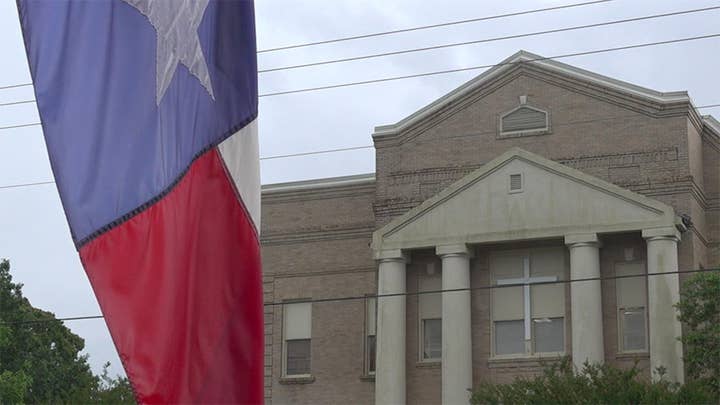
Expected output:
(527, 177)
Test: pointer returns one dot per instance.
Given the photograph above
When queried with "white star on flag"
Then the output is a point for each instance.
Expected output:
(176, 23)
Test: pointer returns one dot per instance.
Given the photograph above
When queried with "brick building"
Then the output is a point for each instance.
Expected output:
(531, 172)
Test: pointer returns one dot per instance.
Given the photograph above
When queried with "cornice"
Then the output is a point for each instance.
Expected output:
(334, 187)
(640, 99)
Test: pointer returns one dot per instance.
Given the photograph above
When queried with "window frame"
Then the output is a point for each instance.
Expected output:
(420, 319)
(529, 352)
(421, 342)
(618, 312)
(366, 336)
(523, 132)
(284, 359)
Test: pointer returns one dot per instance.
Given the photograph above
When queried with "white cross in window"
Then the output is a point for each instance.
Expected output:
(526, 280)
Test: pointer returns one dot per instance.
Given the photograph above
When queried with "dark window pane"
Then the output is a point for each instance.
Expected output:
(509, 337)
(432, 336)
(371, 354)
(549, 335)
(633, 328)
(298, 356)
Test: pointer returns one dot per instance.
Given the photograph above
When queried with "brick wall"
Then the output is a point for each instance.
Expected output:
(316, 241)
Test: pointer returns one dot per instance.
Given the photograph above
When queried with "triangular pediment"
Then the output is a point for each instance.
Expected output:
(548, 200)
(631, 94)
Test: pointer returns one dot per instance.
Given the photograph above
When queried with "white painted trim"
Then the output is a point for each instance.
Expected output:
(549, 64)
(353, 180)
(712, 123)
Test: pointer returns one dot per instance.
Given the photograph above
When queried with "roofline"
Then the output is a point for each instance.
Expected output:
(666, 212)
(712, 123)
(509, 63)
(341, 181)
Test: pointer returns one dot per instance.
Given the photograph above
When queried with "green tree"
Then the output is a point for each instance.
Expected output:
(699, 309)
(40, 361)
(113, 390)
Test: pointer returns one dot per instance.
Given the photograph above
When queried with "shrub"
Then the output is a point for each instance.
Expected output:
(595, 384)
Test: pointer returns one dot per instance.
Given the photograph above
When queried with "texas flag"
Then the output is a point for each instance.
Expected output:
(149, 111)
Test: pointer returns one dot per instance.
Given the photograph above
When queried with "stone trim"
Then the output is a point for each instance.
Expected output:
(665, 213)
(325, 273)
(297, 380)
(286, 238)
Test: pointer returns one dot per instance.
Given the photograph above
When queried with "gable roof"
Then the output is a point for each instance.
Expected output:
(559, 201)
(552, 65)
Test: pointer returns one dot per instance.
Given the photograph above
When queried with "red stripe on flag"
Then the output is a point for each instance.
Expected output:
(180, 287)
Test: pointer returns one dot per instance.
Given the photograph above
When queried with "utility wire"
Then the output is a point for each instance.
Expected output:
(20, 125)
(424, 27)
(539, 59)
(17, 102)
(465, 69)
(37, 123)
(407, 294)
(455, 44)
(352, 148)
(12, 86)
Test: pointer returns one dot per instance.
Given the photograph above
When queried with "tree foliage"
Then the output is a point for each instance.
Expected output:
(40, 361)
(699, 309)
(595, 384)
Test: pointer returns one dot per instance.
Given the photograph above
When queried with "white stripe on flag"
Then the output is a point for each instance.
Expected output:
(241, 153)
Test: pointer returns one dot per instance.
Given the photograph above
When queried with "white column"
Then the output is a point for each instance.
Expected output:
(663, 292)
(390, 360)
(456, 334)
(585, 300)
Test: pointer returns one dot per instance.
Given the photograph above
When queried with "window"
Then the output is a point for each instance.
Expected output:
(631, 306)
(528, 319)
(370, 327)
(430, 316)
(524, 120)
(432, 339)
(297, 337)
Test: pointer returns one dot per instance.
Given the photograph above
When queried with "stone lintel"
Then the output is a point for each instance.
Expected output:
(455, 249)
(669, 232)
(392, 255)
(583, 238)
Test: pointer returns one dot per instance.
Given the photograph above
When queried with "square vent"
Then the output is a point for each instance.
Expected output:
(516, 183)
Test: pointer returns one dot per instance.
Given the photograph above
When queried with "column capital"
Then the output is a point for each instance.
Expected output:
(392, 255)
(582, 239)
(662, 233)
(459, 249)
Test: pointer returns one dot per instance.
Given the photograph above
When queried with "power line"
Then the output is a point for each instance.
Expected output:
(12, 86)
(539, 59)
(20, 125)
(352, 148)
(455, 44)
(407, 294)
(465, 69)
(318, 152)
(424, 27)
(707, 106)
(39, 183)
(17, 102)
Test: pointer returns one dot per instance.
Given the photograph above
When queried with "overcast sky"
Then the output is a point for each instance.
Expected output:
(33, 231)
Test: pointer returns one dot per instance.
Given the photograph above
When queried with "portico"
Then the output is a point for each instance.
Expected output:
(548, 201)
